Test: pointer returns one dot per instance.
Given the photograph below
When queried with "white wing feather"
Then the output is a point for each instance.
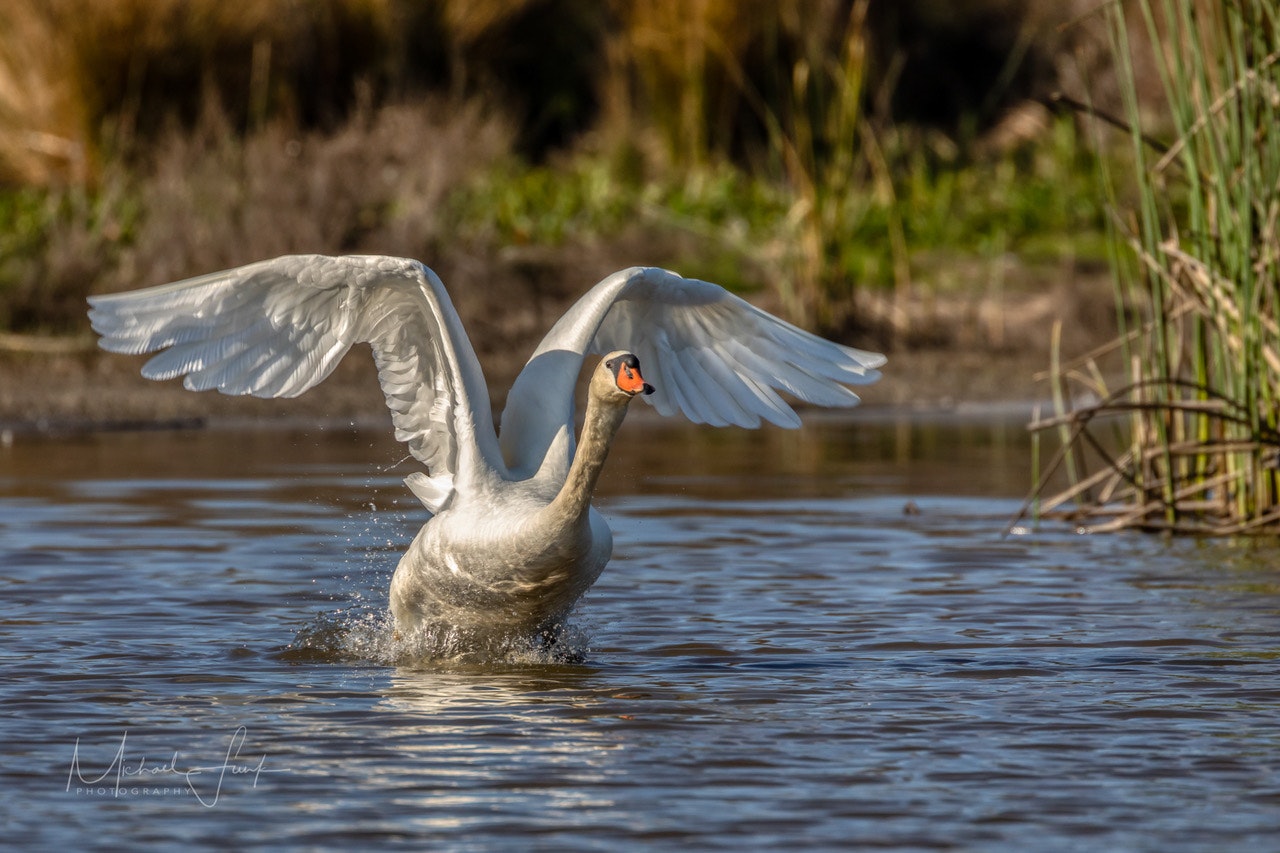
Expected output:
(710, 355)
(279, 327)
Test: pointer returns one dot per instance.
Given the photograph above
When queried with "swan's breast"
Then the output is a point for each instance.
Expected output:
(501, 561)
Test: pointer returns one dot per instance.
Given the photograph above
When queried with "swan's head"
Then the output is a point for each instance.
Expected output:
(618, 376)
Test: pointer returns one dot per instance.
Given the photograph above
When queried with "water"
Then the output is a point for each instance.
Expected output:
(784, 654)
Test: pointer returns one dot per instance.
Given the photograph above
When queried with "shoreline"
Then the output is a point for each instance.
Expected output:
(973, 356)
(61, 395)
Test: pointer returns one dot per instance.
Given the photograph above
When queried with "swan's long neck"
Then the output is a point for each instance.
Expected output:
(598, 429)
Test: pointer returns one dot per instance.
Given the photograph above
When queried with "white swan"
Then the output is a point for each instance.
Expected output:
(513, 541)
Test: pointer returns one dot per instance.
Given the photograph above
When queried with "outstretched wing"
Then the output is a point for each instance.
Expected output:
(711, 356)
(278, 327)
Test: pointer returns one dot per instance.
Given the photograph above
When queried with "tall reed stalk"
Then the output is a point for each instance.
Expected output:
(1198, 249)
(798, 70)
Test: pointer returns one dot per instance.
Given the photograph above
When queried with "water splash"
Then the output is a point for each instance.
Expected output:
(360, 634)
(362, 630)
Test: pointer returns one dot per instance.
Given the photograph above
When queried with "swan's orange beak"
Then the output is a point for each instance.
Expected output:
(630, 380)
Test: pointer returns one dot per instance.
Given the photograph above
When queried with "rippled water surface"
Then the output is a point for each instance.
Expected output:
(813, 640)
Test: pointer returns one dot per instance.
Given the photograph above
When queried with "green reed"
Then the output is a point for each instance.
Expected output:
(1195, 222)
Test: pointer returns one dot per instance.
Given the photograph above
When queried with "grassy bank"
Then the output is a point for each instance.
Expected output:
(440, 181)
(144, 142)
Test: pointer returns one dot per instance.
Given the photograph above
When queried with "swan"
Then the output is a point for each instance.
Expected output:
(513, 541)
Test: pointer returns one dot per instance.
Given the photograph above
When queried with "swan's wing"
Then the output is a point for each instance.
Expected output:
(279, 327)
(710, 355)
(717, 359)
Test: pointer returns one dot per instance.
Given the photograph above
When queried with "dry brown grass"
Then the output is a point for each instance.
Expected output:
(175, 136)
(376, 185)
(112, 76)
(214, 199)
(75, 75)
(43, 121)
(697, 79)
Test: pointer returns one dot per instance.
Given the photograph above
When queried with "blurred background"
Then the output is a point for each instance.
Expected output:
(890, 172)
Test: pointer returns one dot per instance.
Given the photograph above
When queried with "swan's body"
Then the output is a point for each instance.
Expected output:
(513, 541)
(518, 552)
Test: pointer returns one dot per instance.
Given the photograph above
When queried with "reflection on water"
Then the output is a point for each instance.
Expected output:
(779, 657)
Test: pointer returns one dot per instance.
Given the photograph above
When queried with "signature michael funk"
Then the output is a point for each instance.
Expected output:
(126, 775)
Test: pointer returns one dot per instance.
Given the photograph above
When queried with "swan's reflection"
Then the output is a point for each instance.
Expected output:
(478, 743)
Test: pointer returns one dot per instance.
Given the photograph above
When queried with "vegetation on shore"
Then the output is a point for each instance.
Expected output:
(142, 142)
(1196, 379)
(806, 151)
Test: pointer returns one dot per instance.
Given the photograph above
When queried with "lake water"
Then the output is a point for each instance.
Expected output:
(808, 640)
